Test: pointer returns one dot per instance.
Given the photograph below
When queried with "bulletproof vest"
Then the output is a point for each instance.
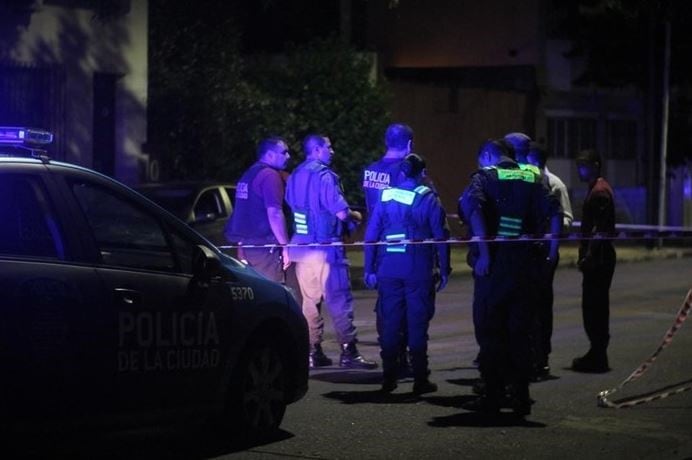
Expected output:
(311, 222)
(249, 223)
(511, 194)
(377, 177)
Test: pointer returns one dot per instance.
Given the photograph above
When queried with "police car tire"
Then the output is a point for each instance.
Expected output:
(257, 398)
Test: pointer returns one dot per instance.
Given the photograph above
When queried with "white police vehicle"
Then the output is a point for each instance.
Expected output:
(113, 311)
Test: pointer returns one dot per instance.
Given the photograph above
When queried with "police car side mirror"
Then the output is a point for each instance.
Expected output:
(205, 263)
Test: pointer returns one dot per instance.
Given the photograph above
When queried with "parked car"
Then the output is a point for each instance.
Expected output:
(116, 312)
(205, 206)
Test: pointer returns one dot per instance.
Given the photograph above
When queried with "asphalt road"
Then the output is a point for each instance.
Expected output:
(344, 416)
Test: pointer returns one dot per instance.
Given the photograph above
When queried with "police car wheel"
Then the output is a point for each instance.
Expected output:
(258, 392)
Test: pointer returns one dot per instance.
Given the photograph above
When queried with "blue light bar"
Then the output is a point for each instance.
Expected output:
(24, 136)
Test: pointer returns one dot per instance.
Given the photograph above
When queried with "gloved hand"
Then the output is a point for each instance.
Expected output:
(441, 282)
(370, 280)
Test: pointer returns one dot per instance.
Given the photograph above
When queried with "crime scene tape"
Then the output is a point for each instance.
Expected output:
(641, 232)
(603, 396)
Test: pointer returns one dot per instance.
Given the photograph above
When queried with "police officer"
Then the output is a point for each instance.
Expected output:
(258, 216)
(541, 268)
(596, 262)
(503, 200)
(403, 273)
(320, 213)
(382, 174)
(543, 321)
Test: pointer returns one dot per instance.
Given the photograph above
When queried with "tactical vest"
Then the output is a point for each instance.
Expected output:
(311, 222)
(407, 261)
(249, 223)
(510, 190)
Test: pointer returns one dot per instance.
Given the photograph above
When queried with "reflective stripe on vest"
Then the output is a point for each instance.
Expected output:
(301, 223)
(529, 167)
(516, 174)
(509, 226)
(395, 247)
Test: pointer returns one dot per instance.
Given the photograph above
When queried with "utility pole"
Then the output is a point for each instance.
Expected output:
(664, 129)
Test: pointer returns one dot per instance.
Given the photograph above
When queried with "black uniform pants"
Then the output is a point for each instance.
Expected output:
(543, 275)
(411, 300)
(595, 304)
(502, 317)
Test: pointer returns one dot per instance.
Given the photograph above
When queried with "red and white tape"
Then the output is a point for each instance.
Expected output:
(638, 232)
(603, 396)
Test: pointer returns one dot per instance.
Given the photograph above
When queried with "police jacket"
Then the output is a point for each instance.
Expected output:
(407, 212)
(378, 176)
(314, 193)
(249, 223)
(512, 201)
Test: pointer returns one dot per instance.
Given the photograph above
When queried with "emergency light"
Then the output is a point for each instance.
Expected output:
(24, 136)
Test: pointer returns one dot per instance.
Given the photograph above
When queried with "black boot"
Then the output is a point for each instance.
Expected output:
(350, 357)
(422, 386)
(594, 361)
(317, 358)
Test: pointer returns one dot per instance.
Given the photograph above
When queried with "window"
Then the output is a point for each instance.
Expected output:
(29, 225)
(568, 136)
(125, 235)
(209, 206)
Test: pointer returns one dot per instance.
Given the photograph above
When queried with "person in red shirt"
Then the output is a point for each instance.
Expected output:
(596, 262)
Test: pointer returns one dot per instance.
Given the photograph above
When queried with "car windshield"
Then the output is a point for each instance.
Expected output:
(176, 200)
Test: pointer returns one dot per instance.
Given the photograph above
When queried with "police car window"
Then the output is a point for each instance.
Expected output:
(184, 250)
(28, 225)
(125, 235)
(209, 205)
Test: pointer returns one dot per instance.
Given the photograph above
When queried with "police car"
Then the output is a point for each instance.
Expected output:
(116, 312)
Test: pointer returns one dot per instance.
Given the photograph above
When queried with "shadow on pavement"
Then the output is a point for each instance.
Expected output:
(174, 444)
(348, 376)
(475, 419)
(373, 397)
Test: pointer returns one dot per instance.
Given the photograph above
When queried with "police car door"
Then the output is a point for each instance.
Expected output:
(163, 344)
(47, 301)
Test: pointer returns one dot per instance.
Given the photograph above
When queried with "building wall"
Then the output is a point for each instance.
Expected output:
(81, 45)
(449, 139)
(455, 33)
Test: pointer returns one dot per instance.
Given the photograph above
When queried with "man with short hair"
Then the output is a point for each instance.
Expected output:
(503, 200)
(384, 173)
(258, 217)
(378, 176)
(320, 214)
(596, 262)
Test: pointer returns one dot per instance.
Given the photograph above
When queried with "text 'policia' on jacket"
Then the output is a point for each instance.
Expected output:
(378, 176)
(249, 222)
(311, 222)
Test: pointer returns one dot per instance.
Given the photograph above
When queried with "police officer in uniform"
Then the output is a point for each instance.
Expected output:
(320, 214)
(503, 200)
(404, 273)
(382, 174)
(258, 216)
